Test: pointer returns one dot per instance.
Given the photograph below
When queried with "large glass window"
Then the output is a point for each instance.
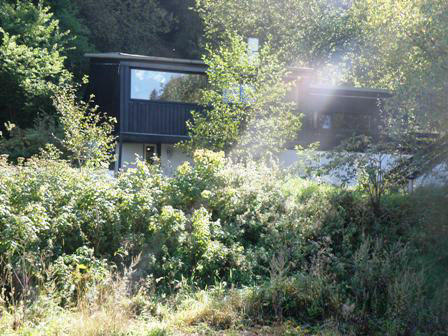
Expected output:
(166, 86)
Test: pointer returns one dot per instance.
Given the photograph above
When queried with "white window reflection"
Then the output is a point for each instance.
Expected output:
(166, 86)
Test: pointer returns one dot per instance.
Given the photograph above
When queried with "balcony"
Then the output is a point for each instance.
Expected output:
(155, 120)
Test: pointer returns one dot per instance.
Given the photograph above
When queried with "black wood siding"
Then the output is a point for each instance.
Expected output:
(156, 117)
(105, 85)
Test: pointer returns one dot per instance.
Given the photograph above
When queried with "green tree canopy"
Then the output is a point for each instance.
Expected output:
(246, 111)
(185, 89)
(404, 47)
(87, 132)
(79, 36)
(31, 59)
(133, 26)
(185, 38)
(310, 33)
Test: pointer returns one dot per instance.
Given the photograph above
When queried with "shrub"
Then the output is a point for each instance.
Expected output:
(305, 251)
(78, 275)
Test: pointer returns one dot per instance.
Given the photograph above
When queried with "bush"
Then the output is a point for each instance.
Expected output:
(306, 251)
(78, 276)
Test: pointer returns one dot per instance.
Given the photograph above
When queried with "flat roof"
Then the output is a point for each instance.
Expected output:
(120, 56)
(346, 91)
(153, 59)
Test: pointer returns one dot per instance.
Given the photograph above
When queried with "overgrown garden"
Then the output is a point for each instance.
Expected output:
(222, 246)
(231, 244)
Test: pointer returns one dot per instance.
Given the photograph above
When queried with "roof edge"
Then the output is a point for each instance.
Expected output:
(350, 91)
(133, 57)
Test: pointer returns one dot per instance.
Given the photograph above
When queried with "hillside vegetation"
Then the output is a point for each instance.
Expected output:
(218, 249)
(221, 248)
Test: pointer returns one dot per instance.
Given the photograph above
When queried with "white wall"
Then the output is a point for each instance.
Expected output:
(437, 176)
(292, 160)
(129, 154)
(171, 158)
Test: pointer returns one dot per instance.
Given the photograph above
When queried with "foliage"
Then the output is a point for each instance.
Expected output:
(244, 102)
(311, 33)
(185, 89)
(290, 249)
(160, 28)
(79, 35)
(396, 45)
(29, 141)
(77, 275)
(224, 245)
(32, 57)
(41, 41)
(412, 64)
(87, 133)
(185, 36)
(127, 26)
(376, 167)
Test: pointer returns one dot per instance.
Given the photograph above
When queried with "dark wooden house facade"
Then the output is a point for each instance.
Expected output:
(152, 99)
(332, 114)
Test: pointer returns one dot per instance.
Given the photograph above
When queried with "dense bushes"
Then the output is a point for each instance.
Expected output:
(309, 252)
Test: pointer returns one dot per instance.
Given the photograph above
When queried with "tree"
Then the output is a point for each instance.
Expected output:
(185, 89)
(311, 33)
(245, 112)
(31, 57)
(132, 26)
(79, 36)
(87, 132)
(185, 36)
(404, 47)
(26, 142)
(400, 45)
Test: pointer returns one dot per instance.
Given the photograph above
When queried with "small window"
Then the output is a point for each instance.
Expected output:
(150, 153)
(166, 86)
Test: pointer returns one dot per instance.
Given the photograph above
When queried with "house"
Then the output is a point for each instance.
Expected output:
(152, 99)
(331, 114)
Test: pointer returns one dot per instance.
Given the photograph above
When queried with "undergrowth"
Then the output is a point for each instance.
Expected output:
(220, 248)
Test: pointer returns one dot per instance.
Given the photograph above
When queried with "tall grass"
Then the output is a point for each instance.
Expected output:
(220, 248)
